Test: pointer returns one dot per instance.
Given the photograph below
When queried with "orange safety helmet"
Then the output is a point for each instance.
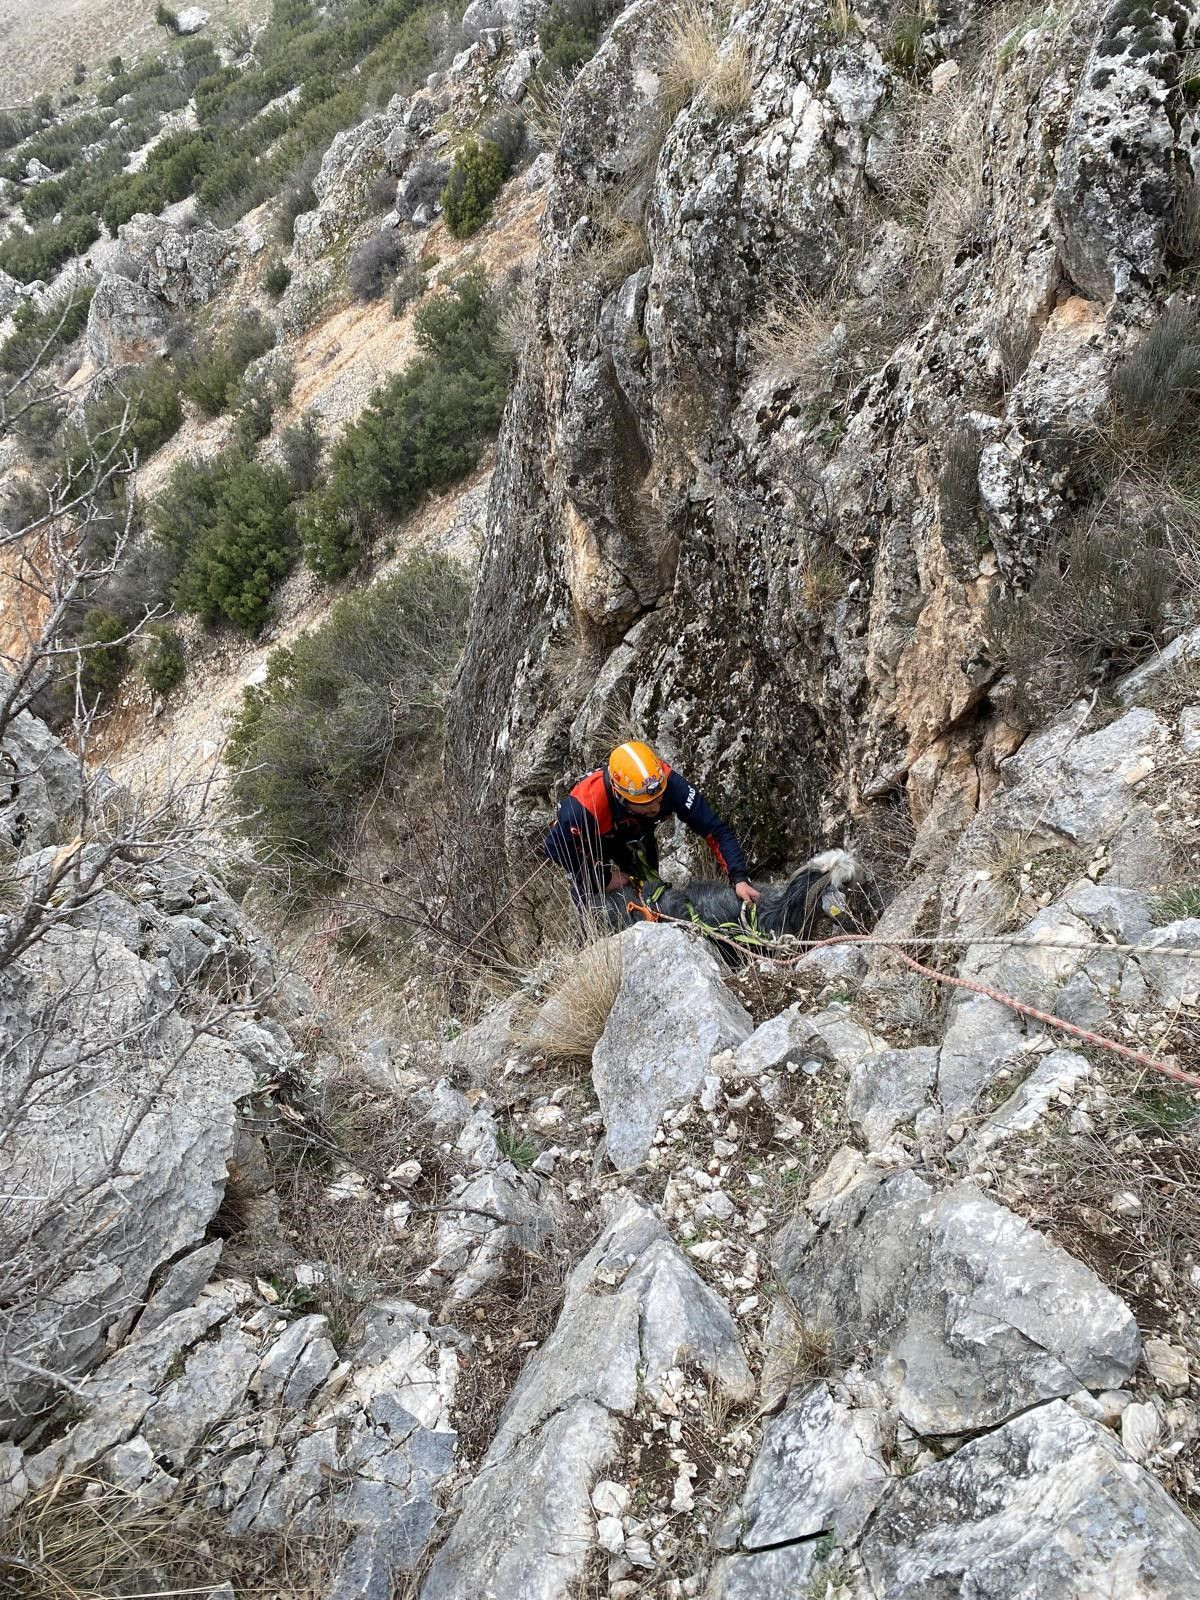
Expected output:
(636, 774)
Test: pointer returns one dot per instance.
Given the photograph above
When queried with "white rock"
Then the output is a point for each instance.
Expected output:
(1167, 1365)
(1141, 1429)
(611, 1535)
(610, 1499)
(190, 20)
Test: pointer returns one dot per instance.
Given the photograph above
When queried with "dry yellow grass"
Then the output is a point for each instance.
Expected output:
(574, 1014)
(791, 337)
(697, 63)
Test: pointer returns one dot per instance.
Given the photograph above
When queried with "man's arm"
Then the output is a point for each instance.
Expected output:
(687, 802)
(574, 843)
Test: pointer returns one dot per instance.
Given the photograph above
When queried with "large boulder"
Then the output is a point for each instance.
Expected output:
(39, 783)
(970, 1314)
(183, 266)
(1116, 185)
(1046, 1507)
(126, 322)
(635, 1310)
(671, 1013)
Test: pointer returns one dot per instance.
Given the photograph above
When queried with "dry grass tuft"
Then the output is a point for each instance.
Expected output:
(619, 247)
(696, 65)
(573, 1015)
(544, 110)
(935, 169)
(794, 336)
(803, 1351)
(82, 1539)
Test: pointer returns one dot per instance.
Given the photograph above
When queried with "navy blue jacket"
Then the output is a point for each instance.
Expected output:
(596, 832)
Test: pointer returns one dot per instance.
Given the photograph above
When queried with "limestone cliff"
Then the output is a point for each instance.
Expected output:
(817, 362)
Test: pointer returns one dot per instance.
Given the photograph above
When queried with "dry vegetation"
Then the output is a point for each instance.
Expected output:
(573, 1015)
(700, 61)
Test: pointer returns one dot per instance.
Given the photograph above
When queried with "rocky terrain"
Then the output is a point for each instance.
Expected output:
(651, 1273)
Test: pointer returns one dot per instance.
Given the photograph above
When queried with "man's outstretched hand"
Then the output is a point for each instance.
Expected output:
(747, 892)
(619, 880)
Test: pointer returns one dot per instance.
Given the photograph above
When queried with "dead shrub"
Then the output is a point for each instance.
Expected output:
(794, 338)
(519, 1310)
(618, 246)
(1097, 599)
(958, 501)
(573, 1016)
(1156, 385)
(375, 263)
(935, 169)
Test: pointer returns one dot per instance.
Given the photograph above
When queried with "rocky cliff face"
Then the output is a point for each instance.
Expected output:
(821, 1278)
(818, 361)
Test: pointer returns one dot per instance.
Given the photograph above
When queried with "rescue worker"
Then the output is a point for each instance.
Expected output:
(604, 833)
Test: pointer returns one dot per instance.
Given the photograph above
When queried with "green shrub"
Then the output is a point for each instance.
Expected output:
(275, 278)
(166, 18)
(29, 257)
(163, 664)
(140, 414)
(257, 399)
(421, 432)
(1097, 599)
(212, 376)
(569, 33)
(301, 446)
(103, 659)
(38, 337)
(360, 692)
(229, 525)
(476, 178)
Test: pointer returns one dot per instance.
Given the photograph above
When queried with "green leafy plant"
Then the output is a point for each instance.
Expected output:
(211, 377)
(229, 526)
(516, 1147)
(276, 277)
(105, 655)
(422, 431)
(39, 336)
(339, 705)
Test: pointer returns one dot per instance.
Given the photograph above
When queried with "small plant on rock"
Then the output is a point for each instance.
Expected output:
(516, 1147)
(276, 277)
(1156, 386)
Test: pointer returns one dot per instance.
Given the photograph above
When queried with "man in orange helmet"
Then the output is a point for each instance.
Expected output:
(604, 833)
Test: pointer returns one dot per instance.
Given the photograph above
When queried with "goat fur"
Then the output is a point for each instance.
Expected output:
(788, 908)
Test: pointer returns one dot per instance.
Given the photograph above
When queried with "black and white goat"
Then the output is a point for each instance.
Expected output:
(814, 890)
